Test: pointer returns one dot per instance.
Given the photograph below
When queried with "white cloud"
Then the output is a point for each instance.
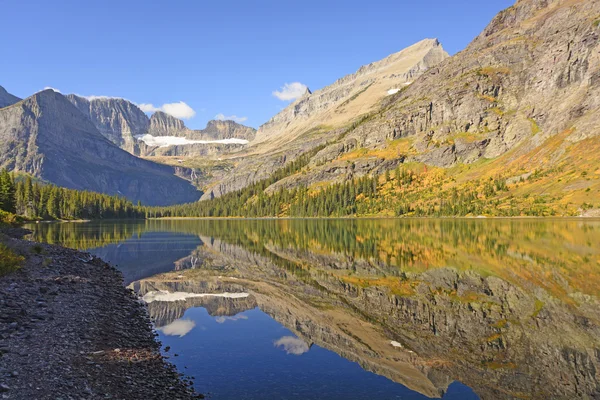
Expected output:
(235, 118)
(51, 88)
(178, 110)
(166, 141)
(149, 108)
(290, 91)
(292, 345)
(179, 327)
(223, 319)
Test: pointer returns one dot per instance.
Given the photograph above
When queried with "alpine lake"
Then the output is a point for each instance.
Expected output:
(364, 308)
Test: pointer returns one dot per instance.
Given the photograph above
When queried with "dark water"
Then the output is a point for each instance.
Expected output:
(354, 309)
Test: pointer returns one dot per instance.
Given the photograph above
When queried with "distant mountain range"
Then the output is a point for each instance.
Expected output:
(48, 137)
(122, 122)
(520, 101)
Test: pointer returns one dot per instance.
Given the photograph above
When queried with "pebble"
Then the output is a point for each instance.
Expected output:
(50, 338)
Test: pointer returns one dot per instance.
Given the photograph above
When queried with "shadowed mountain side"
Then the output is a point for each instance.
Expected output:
(47, 137)
(7, 99)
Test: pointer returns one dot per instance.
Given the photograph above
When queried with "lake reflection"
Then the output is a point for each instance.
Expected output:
(265, 308)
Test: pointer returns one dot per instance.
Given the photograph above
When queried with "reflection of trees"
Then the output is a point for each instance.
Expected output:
(512, 249)
(84, 236)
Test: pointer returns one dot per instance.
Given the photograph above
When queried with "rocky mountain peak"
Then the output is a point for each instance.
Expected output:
(163, 124)
(117, 119)
(219, 129)
(354, 94)
(7, 99)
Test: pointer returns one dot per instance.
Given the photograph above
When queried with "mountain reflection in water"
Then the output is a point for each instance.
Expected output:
(507, 307)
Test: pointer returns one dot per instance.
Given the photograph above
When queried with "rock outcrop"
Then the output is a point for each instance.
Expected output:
(7, 99)
(48, 137)
(117, 119)
(163, 124)
(532, 74)
(217, 130)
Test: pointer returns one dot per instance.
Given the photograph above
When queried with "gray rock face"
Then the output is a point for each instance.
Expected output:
(117, 119)
(48, 137)
(7, 99)
(120, 121)
(163, 124)
(216, 130)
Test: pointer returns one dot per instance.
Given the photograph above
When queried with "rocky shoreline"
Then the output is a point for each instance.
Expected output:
(69, 329)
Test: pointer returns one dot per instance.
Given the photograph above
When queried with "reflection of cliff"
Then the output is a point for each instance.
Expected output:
(504, 340)
(165, 312)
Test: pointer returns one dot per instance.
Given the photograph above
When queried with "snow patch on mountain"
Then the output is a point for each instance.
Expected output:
(166, 141)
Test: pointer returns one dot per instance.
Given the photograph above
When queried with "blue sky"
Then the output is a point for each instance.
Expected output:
(218, 57)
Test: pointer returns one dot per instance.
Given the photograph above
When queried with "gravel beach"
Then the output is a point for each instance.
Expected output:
(69, 329)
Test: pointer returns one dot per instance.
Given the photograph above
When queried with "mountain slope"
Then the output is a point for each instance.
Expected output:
(48, 137)
(353, 94)
(519, 105)
(7, 99)
(320, 117)
(117, 119)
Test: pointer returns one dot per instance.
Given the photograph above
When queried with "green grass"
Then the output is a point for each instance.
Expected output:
(538, 307)
(535, 129)
(9, 261)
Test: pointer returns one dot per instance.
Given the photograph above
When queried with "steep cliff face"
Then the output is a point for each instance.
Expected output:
(194, 140)
(48, 137)
(7, 99)
(117, 119)
(163, 124)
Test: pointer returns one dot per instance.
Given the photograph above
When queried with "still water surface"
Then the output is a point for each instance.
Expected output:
(354, 309)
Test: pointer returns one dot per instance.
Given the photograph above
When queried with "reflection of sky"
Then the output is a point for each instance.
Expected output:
(255, 358)
(238, 317)
(292, 345)
(179, 327)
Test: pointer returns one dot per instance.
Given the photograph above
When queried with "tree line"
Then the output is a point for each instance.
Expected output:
(35, 200)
